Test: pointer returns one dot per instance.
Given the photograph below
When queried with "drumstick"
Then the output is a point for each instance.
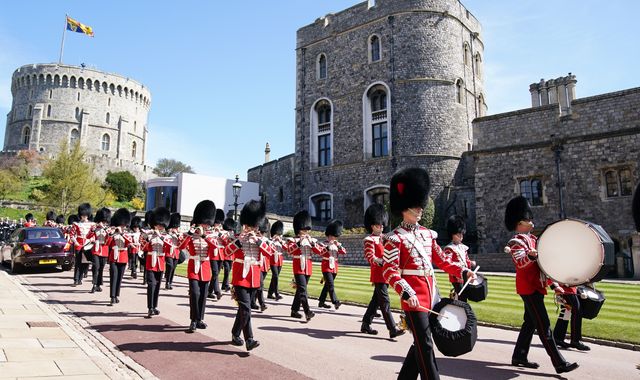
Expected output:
(427, 310)
(468, 280)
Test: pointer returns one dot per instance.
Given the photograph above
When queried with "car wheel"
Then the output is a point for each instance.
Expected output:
(66, 267)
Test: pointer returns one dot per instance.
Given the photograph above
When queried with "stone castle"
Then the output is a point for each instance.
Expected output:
(390, 84)
(105, 113)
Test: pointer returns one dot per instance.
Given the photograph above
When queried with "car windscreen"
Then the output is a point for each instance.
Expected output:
(43, 234)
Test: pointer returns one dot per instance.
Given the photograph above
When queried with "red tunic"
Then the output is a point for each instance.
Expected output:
(118, 245)
(301, 250)
(529, 278)
(29, 224)
(457, 254)
(78, 233)
(374, 252)
(198, 267)
(408, 255)
(330, 252)
(247, 251)
(157, 246)
(277, 247)
(99, 234)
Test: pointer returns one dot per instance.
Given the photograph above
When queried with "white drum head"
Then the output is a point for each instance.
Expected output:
(478, 280)
(452, 318)
(591, 294)
(570, 252)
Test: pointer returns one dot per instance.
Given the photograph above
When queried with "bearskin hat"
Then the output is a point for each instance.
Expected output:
(204, 213)
(28, 217)
(636, 207)
(252, 213)
(122, 217)
(375, 214)
(103, 215)
(456, 225)
(73, 218)
(136, 221)
(277, 228)
(51, 215)
(160, 216)
(229, 224)
(60, 219)
(219, 216)
(409, 189)
(301, 221)
(147, 218)
(264, 226)
(84, 210)
(517, 209)
(175, 220)
(334, 228)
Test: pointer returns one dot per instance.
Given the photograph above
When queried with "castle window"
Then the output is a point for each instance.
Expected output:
(49, 110)
(29, 110)
(376, 194)
(107, 119)
(49, 80)
(478, 62)
(50, 94)
(321, 133)
(135, 126)
(374, 48)
(81, 83)
(133, 149)
(56, 80)
(321, 71)
(89, 84)
(106, 142)
(281, 194)
(26, 135)
(618, 182)
(481, 106)
(65, 81)
(324, 150)
(73, 82)
(74, 137)
(78, 97)
(109, 102)
(376, 122)
(78, 113)
(531, 188)
(466, 54)
(320, 206)
(459, 91)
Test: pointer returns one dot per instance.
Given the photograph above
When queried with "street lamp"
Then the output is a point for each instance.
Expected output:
(237, 186)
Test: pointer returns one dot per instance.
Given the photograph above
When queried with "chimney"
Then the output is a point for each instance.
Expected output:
(560, 91)
(267, 152)
(535, 95)
(552, 91)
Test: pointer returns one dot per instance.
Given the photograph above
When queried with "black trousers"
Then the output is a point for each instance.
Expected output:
(170, 269)
(560, 331)
(273, 285)
(214, 285)
(259, 294)
(328, 288)
(420, 359)
(226, 265)
(133, 262)
(243, 317)
(80, 267)
(536, 318)
(116, 272)
(97, 269)
(197, 299)
(380, 299)
(462, 297)
(301, 298)
(154, 279)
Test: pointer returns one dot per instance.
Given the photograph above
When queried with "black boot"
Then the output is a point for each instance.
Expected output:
(295, 314)
(201, 325)
(309, 315)
(150, 313)
(324, 305)
(237, 341)
(93, 289)
(566, 367)
(251, 344)
(113, 300)
(395, 332)
(524, 363)
(192, 327)
(365, 328)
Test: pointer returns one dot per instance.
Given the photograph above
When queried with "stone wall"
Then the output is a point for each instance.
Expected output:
(276, 184)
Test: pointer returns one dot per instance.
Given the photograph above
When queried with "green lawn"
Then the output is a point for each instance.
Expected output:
(14, 214)
(619, 318)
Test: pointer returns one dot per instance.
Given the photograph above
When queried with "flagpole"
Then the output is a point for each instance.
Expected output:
(64, 32)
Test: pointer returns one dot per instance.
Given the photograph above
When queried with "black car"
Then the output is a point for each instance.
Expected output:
(36, 247)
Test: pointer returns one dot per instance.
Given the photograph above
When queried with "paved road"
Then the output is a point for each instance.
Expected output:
(328, 347)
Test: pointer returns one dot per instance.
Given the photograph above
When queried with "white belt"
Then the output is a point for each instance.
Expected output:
(246, 265)
(154, 257)
(197, 261)
(116, 252)
(303, 260)
(416, 272)
(331, 260)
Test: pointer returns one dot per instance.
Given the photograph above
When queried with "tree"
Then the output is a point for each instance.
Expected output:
(123, 185)
(71, 181)
(9, 183)
(168, 167)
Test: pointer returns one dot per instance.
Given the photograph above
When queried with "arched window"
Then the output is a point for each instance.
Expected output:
(376, 194)
(481, 106)
(376, 122)
(626, 184)
(531, 188)
(49, 110)
(78, 113)
(459, 91)
(56, 80)
(466, 54)
(26, 135)
(374, 48)
(321, 206)
(133, 149)
(618, 182)
(74, 137)
(321, 139)
(321, 71)
(107, 119)
(478, 62)
(73, 82)
(65, 81)
(29, 110)
(106, 142)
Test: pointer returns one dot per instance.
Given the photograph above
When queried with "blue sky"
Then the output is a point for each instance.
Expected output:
(222, 73)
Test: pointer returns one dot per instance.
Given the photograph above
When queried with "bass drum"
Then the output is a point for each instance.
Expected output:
(591, 301)
(454, 331)
(572, 252)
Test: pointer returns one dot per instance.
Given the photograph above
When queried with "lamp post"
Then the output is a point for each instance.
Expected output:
(237, 186)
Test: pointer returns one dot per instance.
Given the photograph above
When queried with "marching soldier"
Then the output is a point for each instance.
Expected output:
(80, 227)
(531, 286)
(301, 248)
(275, 263)
(409, 251)
(263, 230)
(247, 251)
(30, 221)
(60, 222)
(118, 245)
(330, 252)
(569, 311)
(100, 252)
(217, 255)
(50, 219)
(457, 253)
(173, 256)
(375, 221)
(227, 236)
(135, 248)
(156, 247)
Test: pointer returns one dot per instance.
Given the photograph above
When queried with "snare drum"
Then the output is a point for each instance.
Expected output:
(591, 301)
(454, 331)
(572, 251)
(477, 289)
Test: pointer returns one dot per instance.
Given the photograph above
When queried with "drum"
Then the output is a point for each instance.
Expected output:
(591, 301)
(454, 331)
(572, 252)
(477, 289)
(183, 256)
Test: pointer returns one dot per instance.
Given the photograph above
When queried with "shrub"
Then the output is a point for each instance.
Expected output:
(123, 184)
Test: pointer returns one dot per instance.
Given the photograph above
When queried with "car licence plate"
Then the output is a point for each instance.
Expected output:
(53, 261)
